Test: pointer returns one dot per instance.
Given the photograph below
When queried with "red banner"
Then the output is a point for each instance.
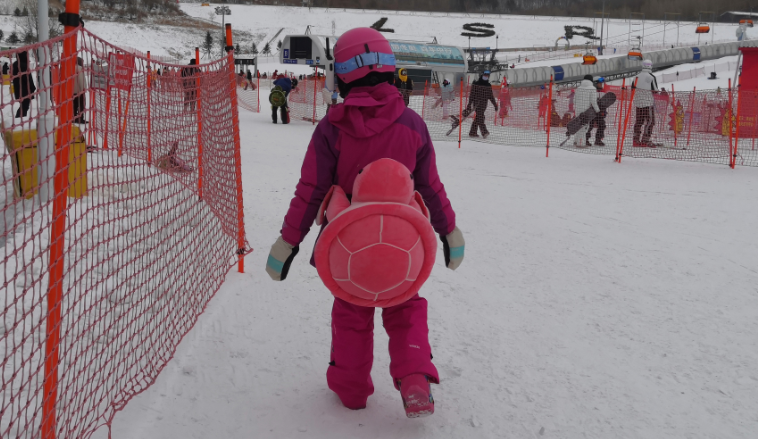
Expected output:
(121, 69)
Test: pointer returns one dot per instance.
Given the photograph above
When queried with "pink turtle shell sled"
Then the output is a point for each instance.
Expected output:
(379, 250)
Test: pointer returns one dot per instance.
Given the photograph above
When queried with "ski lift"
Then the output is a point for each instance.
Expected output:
(702, 28)
(748, 23)
(589, 58)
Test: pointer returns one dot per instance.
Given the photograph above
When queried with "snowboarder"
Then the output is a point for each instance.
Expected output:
(350, 137)
(447, 95)
(189, 82)
(599, 120)
(644, 103)
(586, 97)
(405, 85)
(481, 93)
(23, 83)
(285, 84)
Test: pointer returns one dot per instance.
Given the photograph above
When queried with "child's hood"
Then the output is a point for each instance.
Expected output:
(368, 111)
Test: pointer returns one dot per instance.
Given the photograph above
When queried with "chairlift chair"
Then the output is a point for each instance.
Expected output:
(748, 23)
(589, 58)
(702, 28)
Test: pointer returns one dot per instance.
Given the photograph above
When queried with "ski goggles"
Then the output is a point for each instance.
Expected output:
(365, 59)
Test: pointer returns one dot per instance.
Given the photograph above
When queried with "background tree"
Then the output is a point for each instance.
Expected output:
(237, 49)
(266, 49)
(254, 51)
(13, 38)
(207, 45)
(279, 46)
(17, 12)
(1, 35)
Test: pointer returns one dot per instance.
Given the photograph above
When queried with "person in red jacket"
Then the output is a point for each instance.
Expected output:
(372, 123)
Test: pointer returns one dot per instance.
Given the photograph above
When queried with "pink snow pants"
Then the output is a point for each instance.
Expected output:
(349, 373)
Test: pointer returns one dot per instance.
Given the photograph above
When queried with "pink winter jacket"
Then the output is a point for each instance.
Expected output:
(371, 124)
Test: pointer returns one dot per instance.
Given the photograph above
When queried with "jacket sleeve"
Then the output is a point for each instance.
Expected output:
(593, 101)
(428, 184)
(316, 178)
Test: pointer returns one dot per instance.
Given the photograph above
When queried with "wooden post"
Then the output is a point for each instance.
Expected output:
(237, 154)
(48, 424)
(549, 115)
(737, 122)
(620, 151)
(460, 117)
(149, 122)
(199, 110)
(423, 102)
(692, 113)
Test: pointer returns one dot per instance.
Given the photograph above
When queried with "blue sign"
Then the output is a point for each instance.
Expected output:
(289, 61)
(557, 73)
(696, 54)
(286, 53)
(309, 61)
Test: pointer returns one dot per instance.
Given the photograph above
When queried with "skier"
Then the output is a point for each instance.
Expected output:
(80, 86)
(285, 84)
(505, 100)
(351, 136)
(644, 103)
(481, 93)
(405, 85)
(599, 120)
(586, 97)
(23, 83)
(190, 85)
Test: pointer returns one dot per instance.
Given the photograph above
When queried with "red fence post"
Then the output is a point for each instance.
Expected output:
(149, 84)
(620, 150)
(48, 426)
(315, 88)
(259, 90)
(673, 94)
(237, 154)
(692, 113)
(620, 116)
(550, 114)
(460, 116)
(199, 126)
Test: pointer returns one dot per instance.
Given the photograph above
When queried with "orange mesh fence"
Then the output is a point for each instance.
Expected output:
(678, 125)
(151, 223)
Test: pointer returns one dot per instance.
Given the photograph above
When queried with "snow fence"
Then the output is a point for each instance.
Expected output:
(714, 126)
(121, 216)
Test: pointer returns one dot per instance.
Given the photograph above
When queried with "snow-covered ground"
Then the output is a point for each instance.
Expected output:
(596, 300)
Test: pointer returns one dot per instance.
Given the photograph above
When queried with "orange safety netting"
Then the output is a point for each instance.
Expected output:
(679, 125)
(153, 222)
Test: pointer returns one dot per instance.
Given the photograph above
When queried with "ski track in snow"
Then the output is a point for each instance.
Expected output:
(596, 300)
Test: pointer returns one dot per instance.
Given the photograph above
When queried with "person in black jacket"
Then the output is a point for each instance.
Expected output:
(481, 93)
(23, 84)
(190, 84)
(405, 85)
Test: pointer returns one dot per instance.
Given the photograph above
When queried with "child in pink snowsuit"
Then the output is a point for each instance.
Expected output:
(372, 123)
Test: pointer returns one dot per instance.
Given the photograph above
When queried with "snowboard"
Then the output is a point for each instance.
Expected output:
(586, 117)
(456, 122)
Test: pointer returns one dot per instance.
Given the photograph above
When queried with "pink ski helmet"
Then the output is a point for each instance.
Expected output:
(360, 51)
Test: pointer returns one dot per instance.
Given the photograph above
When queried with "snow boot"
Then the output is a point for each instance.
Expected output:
(599, 143)
(417, 396)
(285, 115)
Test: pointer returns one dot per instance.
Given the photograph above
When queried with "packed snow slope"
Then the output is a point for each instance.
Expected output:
(596, 300)
(512, 30)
